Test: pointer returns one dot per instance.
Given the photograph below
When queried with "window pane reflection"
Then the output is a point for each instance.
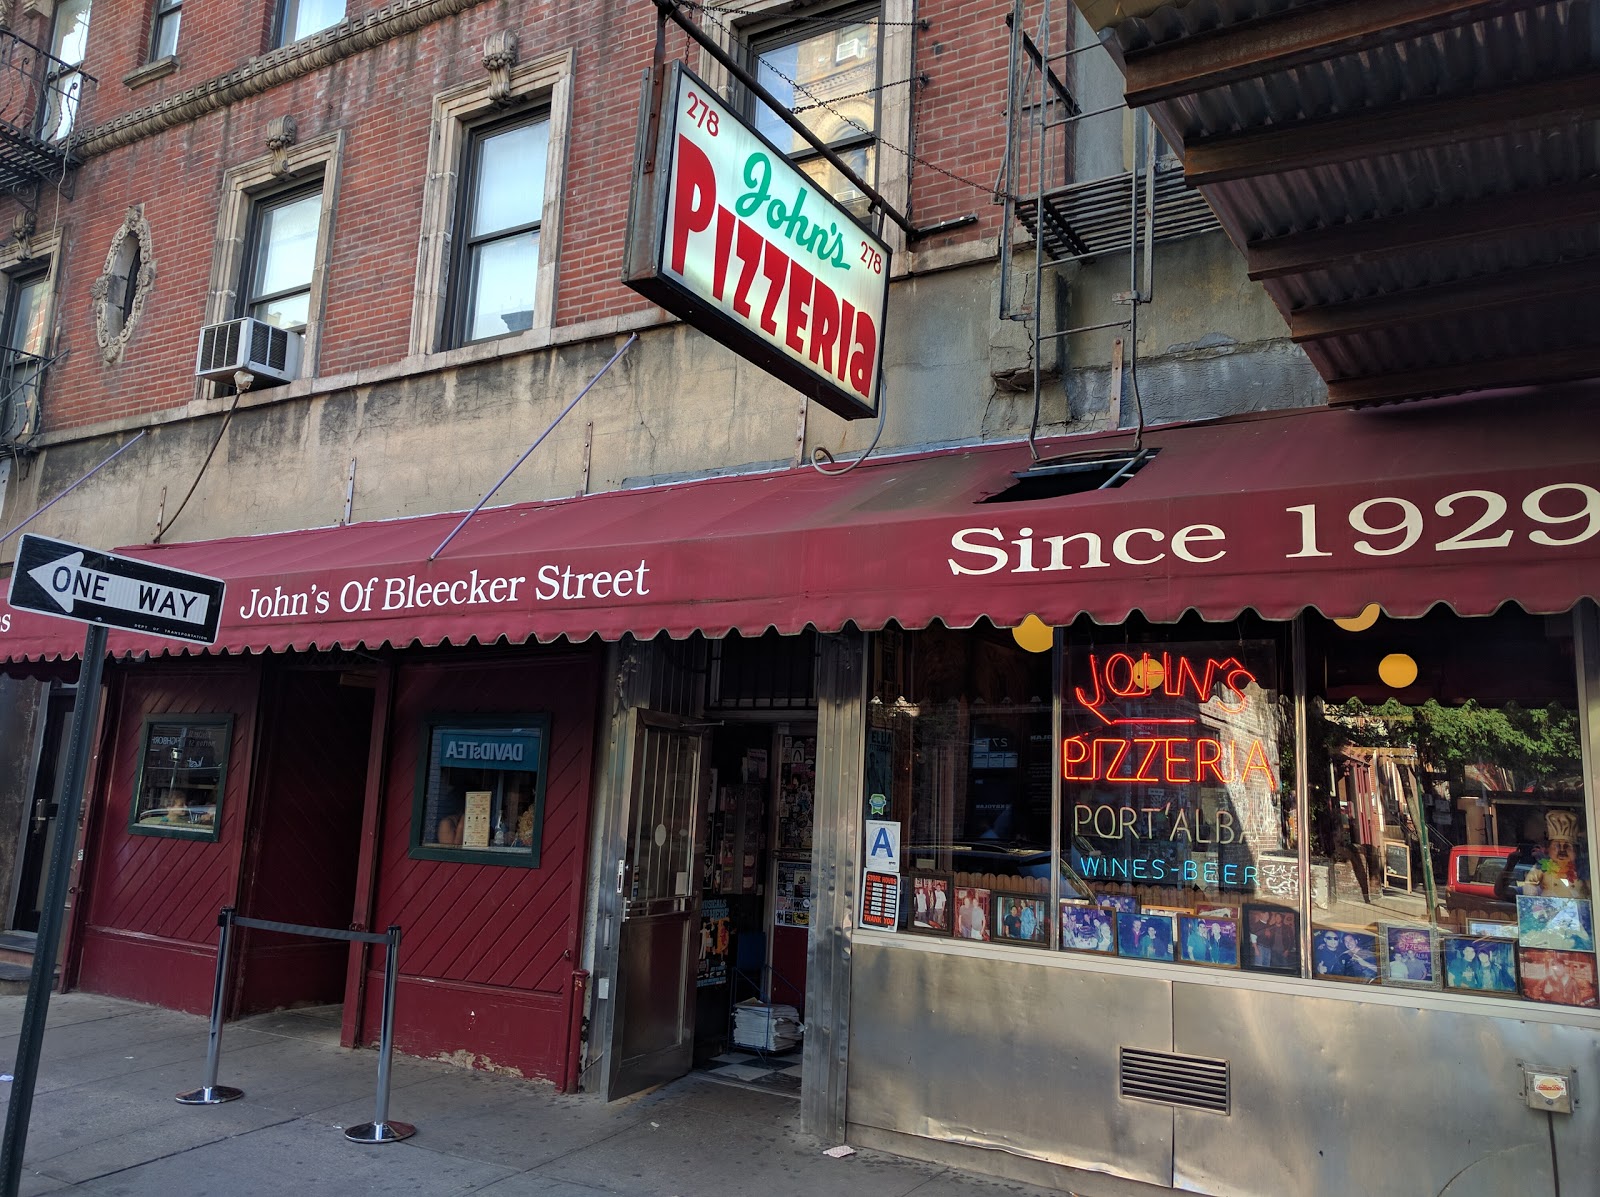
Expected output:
(510, 191)
(960, 753)
(302, 18)
(286, 245)
(1449, 833)
(504, 279)
(820, 79)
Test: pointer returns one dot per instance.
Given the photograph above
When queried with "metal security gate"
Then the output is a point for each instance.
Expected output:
(658, 887)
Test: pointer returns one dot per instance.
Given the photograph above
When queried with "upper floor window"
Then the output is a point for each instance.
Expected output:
(282, 255)
(164, 29)
(23, 324)
(827, 72)
(501, 211)
(63, 88)
(302, 18)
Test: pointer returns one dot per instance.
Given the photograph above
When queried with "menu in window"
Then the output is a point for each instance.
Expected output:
(475, 827)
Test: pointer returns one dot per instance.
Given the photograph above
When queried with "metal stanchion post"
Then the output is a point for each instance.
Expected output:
(211, 1093)
(380, 1129)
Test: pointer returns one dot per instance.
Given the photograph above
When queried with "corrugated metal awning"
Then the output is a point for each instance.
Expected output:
(1415, 182)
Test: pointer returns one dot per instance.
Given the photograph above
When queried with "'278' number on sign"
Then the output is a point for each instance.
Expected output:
(702, 114)
(1391, 525)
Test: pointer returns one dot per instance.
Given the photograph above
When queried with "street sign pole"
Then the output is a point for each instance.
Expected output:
(70, 581)
(85, 714)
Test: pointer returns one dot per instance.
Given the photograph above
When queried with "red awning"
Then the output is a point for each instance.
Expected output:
(1471, 503)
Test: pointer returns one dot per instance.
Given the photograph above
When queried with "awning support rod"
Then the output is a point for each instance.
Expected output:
(628, 344)
(67, 491)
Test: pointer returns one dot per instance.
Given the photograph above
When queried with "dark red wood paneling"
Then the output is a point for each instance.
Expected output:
(152, 901)
(489, 937)
(304, 839)
(789, 966)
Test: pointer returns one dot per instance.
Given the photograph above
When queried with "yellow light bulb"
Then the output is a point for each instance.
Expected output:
(1034, 635)
(1397, 671)
(1360, 623)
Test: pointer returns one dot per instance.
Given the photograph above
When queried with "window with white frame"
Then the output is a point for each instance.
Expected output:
(491, 217)
(282, 255)
(302, 18)
(63, 83)
(274, 230)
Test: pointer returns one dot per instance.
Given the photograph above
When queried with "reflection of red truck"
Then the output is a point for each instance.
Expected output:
(1474, 869)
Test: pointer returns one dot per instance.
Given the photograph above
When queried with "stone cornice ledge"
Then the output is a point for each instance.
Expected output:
(269, 70)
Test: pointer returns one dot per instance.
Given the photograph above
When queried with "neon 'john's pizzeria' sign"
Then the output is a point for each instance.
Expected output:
(1141, 733)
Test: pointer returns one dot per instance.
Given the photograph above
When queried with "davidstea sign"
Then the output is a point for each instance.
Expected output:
(725, 233)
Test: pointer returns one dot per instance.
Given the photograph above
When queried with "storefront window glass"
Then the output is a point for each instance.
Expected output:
(481, 795)
(182, 766)
(959, 754)
(1177, 828)
(1445, 815)
(1450, 842)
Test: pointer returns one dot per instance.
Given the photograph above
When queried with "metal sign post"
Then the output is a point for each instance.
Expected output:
(103, 590)
(84, 716)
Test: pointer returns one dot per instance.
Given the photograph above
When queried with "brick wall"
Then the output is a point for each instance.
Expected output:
(381, 99)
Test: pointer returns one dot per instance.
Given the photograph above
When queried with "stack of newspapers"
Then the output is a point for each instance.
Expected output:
(766, 1027)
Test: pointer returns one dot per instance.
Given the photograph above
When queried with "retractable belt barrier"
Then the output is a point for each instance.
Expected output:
(380, 1129)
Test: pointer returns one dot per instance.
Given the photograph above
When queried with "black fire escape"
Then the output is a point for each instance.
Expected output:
(43, 102)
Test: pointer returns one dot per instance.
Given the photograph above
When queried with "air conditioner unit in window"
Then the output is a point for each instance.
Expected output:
(252, 346)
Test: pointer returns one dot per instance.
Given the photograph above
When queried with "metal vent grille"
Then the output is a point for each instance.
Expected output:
(269, 345)
(219, 347)
(1192, 1081)
(1089, 219)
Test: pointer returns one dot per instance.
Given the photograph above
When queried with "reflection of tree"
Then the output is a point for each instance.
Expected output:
(1536, 745)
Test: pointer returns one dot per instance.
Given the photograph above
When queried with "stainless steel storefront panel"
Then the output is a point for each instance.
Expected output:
(1335, 1096)
(998, 1053)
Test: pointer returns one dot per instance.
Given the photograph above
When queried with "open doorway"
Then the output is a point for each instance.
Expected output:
(301, 856)
(713, 887)
(755, 904)
(39, 824)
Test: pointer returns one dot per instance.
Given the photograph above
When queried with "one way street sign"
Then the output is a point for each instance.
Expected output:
(72, 582)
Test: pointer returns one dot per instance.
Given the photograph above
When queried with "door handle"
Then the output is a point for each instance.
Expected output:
(622, 876)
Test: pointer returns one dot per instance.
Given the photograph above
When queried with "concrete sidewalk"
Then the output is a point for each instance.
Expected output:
(104, 1122)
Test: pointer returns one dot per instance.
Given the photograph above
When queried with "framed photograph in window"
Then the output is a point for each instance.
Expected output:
(1147, 935)
(1560, 924)
(480, 790)
(1022, 919)
(972, 913)
(183, 767)
(1271, 939)
(1121, 903)
(1480, 964)
(1086, 928)
(1344, 954)
(1410, 956)
(929, 903)
(1209, 941)
(1565, 978)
